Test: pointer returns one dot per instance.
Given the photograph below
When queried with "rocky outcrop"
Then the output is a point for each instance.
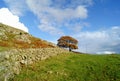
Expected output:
(12, 61)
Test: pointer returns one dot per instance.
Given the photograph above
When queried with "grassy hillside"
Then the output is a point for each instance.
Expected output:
(73, 67)
(14, 38)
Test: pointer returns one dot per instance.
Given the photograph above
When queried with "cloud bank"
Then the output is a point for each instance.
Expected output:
(6, 17)
(104, 41)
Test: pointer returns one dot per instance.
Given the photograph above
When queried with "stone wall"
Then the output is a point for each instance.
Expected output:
(12, 61)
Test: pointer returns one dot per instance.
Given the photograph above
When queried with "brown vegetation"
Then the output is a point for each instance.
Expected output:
(15, 38)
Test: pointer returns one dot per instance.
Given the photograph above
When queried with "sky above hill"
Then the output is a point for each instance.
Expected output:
(94, 23)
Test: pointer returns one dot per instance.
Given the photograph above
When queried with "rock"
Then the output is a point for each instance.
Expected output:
(16, 68)
(49, 72)
(6, 56)
(30, 61)
(23, 62)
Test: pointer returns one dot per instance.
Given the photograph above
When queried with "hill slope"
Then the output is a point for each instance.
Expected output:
(15, 38)
(73, 67)
(13, 55)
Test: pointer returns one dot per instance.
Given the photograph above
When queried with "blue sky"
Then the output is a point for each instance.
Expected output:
(94, 23)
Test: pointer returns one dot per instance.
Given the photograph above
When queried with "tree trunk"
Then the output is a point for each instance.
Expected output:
(70, 49)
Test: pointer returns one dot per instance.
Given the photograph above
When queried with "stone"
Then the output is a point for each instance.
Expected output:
(49, 72)
(23, 62)
(16, 68)
(6, 56)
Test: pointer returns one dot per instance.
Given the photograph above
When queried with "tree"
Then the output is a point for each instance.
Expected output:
(67, 42)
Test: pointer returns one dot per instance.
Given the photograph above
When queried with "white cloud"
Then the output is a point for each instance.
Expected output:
(6, 17)
(100, 41)
(42, 8)
(50, 29)
(55, 16)
(58, 12)
(72, 3)
(76, 27)
(17, 7)
(106, 52)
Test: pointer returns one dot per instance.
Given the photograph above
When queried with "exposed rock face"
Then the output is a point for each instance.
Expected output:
(12, 61)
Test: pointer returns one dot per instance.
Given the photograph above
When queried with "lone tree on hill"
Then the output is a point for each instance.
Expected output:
(67, 42)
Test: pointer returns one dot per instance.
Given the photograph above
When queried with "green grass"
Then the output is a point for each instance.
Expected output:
(3, 48)
(73, 67)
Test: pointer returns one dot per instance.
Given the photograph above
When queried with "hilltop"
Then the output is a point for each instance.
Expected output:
(15, 38)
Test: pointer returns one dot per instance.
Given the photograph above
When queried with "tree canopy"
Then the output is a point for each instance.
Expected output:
(67, 42)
